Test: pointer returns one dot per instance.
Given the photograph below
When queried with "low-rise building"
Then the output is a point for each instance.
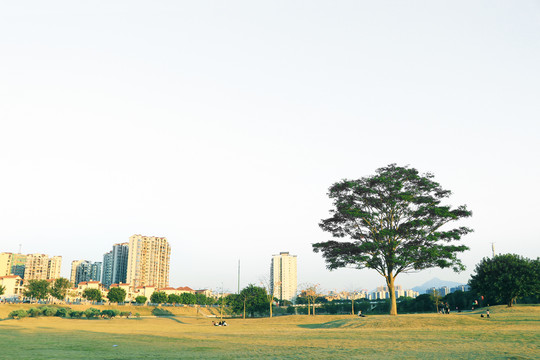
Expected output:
(13, 286)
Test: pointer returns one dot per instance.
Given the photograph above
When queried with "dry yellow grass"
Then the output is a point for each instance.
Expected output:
(509, 333)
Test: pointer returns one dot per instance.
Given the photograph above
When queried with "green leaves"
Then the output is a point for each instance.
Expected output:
(504, 278)
(38, 289)
(395, 222)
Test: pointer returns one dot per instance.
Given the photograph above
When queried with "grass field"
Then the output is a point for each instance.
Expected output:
(508, 334)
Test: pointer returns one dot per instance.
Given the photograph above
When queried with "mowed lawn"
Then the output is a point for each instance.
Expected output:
(508, 334)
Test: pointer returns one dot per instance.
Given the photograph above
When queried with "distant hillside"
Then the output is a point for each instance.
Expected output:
(436, 283)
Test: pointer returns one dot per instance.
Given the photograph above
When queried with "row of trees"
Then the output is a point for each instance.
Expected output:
(160, 297)
(41, 289)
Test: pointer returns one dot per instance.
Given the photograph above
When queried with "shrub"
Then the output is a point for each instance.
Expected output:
(62, 312)
(110, 313)
(48, 310)
(18, 314)
(125, 313)
(137, 315)
(91, 313)
(34, 312)
(76, 314)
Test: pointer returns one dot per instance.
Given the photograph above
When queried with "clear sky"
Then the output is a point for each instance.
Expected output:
(221, 124)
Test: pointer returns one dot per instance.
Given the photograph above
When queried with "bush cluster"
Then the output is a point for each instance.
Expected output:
(90, 313)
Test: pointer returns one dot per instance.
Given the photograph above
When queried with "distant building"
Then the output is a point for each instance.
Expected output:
(106, 277)
(382, 293)
(13, 286)
(148, 261)
(115, 265)
(12, 264)
(283, 277)
(41, 267)
(83, 270)
(460, 288)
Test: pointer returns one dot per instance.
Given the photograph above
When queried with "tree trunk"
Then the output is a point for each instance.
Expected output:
(308, 308)
(391, 291)
(244, 308)
(352, 302)
(271, 308)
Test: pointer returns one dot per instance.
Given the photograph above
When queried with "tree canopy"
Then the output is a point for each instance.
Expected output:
(59, 288)
(158, 297)
(116, 295)
(140, 299)
(394, 222)
(504, 278)
(38, 289)
(92, 294)
(252, 299)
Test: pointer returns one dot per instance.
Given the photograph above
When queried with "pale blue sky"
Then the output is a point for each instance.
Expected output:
(221, 124)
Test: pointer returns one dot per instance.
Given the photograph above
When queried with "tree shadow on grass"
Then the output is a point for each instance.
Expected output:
(161, 312)
(175, 319)
(327, 325)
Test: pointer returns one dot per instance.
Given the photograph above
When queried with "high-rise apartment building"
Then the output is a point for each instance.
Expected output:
(283, 281)
(83, 270)
(106, 277)
(115, 264)
(148, 263)
(12, 264)
(74, 265)
(41, 267)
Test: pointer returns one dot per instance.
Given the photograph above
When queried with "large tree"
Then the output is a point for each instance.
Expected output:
(394, 222)
(59, 288)
(38, 289)
(506, 277)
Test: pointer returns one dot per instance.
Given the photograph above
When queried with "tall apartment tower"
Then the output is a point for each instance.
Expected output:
(148, 263)
(73, 276)
(115, 264)
(283, 281)
(106, 277)
(83, 270)
(41, 267)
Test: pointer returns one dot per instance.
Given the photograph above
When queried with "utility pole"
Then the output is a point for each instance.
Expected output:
(238, 276)
(493, 249)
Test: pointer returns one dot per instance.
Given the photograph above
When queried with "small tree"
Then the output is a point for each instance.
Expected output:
(116, 295)
(187, 298)
(158, 297)
(311, 292)
(2, 289)
(396, 224)
(252, 299)
(92, 294)
(60, 288)
(140, 299)
(504, 278)
(436, 298)
(173, 299)
(270, 287)
(38, 289)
